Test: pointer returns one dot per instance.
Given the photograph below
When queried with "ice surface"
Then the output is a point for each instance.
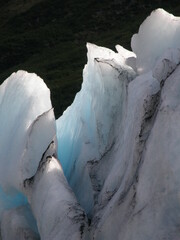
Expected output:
(87, 130)
(28, 159)
(157, 33)
(142, 94)
(17, 224)
(60, 216)
(124, 208)
(41, 133)
(139, 198)
(27, 127)
(128, 57)
(166, 64)
(141, 103)
(148, 207)
(23, 97)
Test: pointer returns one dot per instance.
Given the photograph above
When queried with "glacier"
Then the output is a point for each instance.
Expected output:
(108, 168)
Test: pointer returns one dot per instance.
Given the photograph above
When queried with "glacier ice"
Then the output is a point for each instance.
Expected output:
(118, 144)
(116, 182)
(157, 33)
(146, 204)
(144, 181)
(32, 171)
(84, 140)
(166, 64)
(23, 99)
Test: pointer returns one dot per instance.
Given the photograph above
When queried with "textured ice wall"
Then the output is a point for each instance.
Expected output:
(27, 127)
(19, 224)
(145, 204)
(23, 97)
(29, 168)
(87, 129)
(58, 214)
(144, 180)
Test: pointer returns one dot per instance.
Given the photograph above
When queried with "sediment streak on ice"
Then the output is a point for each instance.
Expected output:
(28, 167)
(87, 129)
(23, 97)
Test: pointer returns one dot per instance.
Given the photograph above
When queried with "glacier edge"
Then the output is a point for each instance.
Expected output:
(117, 145)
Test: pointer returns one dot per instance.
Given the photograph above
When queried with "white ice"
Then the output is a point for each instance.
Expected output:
(32, 171)
(157, 33)
(57, 212)
(139, 198)
(118, 144)
(87, 129)
(23, 97)
(110, 174)
(27, 127)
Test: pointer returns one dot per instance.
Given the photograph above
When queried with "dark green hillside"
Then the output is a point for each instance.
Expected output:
(49, 37)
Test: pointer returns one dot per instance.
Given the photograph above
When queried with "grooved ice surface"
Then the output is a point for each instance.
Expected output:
(139, 199)
(18, 224)
(23, 97)
(58, 214)
(87, 129)
(29, 169)
(133, 181)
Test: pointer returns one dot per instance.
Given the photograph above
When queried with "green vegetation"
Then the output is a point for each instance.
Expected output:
(49, 37)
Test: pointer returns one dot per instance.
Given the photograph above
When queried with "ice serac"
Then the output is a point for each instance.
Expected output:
(23, 98)
(148, 206)
(27, 127)
(29, 168)
(126, 158)
(157, 33)
(139, 198)
(87, 130)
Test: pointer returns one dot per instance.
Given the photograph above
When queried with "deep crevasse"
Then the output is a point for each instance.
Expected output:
(87, 129)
